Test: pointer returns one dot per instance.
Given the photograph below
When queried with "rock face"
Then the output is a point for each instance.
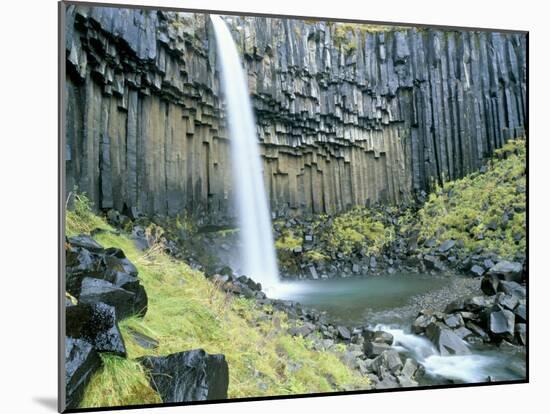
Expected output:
(345, 116)
(188, 376)
(97, 325)
(81, 361)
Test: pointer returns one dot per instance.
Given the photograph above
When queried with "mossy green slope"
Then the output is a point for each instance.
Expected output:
(485, 211)
(187, 311)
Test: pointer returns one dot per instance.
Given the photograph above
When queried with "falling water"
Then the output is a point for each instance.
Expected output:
(258, 251)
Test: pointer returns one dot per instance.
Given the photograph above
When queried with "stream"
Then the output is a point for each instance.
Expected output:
(390, 303)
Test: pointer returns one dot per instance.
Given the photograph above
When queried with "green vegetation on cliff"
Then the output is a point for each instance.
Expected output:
(187, 311)
(486, 212)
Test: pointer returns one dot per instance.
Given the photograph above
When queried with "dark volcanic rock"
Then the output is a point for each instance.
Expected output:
(344, 332)
(512, 288)
(489, 284)
(477, 270)
(97, 290)
(374, 349)
(446, 341)
(378, 336)
(96, 324)
(510, 271)
(86, 242)
(81, 362)
(188, 376)
(499, 322)
(446, 246)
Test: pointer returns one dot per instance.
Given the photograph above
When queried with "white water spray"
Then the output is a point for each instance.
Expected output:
(258, 253)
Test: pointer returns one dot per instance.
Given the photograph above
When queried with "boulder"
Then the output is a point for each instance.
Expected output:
(96, 324)
(521, 313)
(378, 336)
(446, 246)
(409, 368)
(478, 331)
(453, 321)
(506, 301)
(489, 284)
(446, 341)
(462, 332)
(421, 323)
(478, 303)
(343, 332)
(81, 362)
(388, 360)
(512, 288)
(521, 333)
(454, 306)
(97, 290)
(433, 263)
(86, 242)
(499, 322)
(509, 271)
(188, 376)
(477, 270)
(374, 349)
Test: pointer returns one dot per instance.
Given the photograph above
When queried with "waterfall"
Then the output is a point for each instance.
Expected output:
(258, 250)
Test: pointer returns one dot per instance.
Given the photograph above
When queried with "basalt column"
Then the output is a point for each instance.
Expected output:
(346, 116)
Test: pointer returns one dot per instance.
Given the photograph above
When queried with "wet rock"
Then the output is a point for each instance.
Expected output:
(344, 332)
(446, 341)
(378, 336)
(505, 270)
(433, 263)
(388, 359)
(478, 303)
(477, 270)
(512, 288)
(507, 301)
(446, 246)
(499, 322)
(406, 382)
(98, 290)
(421, 323)
(462, 332)
(143, 340)
(455, 306)
(96, 324)
(188, 376)
(521, 333)
(303, 330)
(81, 362)
(478, 331)
(409, 368)
(489, 284)
(374, 349)
(521, 313)
(453, 321)
(86, 242)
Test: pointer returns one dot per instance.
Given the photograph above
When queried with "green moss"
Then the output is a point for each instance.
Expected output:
(316, 256)
(187, 311)
(484, 211)
(288, 240)
(356, 230)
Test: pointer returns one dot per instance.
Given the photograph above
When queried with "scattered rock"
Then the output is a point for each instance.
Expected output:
(509, 271)
(188, 376)
(81, 362)
(477, 270)
(446, 341)
(96, 324)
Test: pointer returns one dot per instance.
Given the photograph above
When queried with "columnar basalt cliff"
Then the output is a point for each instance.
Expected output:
(346, 114)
